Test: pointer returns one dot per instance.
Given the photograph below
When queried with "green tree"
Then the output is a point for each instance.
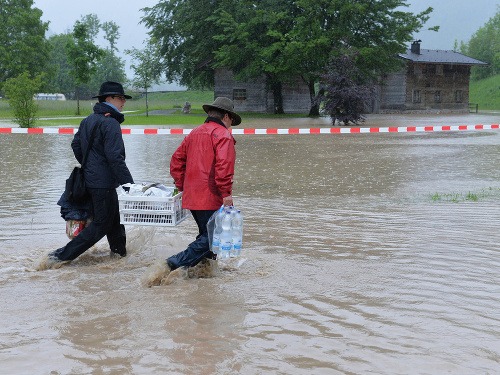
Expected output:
(185, 38)
(110, 67)
(280, 39)
(20, 91)
(59, 78)
(147, 68)
(297, 38)
(23, 46)
(111, 34)
(83, 55)
(253, 41)
(485, 46)
(92, 23)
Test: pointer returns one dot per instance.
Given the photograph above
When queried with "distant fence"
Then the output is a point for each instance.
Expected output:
(473, 107)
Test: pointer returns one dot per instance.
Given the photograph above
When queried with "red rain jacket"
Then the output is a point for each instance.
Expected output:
(203, 166)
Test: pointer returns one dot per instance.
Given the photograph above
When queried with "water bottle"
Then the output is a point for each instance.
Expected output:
(217, 231)
(236, 232)
(226, 243)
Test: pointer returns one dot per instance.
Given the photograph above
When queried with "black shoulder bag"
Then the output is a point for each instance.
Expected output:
(76, 191)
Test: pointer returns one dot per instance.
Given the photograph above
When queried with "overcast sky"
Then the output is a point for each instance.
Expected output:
(458, 19)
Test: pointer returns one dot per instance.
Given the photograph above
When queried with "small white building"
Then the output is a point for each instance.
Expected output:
(46, 96)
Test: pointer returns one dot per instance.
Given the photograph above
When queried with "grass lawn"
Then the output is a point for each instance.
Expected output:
(163, 109)
(60, 113)
(166, 108)
(486, 93)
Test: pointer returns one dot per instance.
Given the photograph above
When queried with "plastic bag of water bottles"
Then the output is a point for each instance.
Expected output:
(225, 232)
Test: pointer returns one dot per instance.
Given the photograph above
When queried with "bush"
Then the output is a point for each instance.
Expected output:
(20, 91)
(345, 93)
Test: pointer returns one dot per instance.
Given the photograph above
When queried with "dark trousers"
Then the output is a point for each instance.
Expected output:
(199, 248)
(106, 222)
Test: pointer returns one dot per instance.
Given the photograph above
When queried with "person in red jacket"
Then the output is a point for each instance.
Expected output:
(203, 168)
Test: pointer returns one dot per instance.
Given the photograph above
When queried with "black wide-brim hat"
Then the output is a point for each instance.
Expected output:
(226, 105)
(111, 88)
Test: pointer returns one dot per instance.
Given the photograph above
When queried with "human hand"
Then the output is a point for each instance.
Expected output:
(227, 201)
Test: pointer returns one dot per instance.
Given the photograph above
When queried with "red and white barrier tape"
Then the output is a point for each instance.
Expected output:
(343, 130)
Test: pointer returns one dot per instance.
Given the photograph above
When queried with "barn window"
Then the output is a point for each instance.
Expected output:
(416, 96)
(437, 96)
(459, 96)
(239, 94)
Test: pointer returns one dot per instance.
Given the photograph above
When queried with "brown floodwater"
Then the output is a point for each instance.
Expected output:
(363, 253)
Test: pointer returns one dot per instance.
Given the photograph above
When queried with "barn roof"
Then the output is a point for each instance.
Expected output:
(440, 57)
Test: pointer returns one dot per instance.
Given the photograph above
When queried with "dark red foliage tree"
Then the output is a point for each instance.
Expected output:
(346, 92)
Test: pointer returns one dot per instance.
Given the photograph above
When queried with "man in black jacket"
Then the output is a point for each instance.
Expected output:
(104, 171)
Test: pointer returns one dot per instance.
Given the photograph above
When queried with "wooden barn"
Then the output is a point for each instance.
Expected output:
(431, 80)
(255, 96)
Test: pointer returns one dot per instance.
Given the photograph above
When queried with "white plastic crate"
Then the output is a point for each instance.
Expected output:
(148, 210)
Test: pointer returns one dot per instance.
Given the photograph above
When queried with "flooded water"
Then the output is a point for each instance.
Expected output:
(363, 254)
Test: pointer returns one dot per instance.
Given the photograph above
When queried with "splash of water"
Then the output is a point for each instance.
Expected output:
(159, 273)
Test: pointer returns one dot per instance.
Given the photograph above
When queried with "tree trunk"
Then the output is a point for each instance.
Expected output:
(314, 110)
(147, 106)
(277, 88)
(78, 101)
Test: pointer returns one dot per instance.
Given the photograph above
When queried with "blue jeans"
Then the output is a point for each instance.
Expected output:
(106, 222)
(199, 248)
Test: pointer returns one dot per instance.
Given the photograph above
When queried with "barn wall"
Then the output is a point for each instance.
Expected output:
(437, 87)
(393, 92)
(254, 96)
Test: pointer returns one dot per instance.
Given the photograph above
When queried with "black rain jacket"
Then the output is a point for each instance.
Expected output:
(105, 167)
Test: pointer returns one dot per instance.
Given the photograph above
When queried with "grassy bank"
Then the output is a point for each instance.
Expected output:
(168, 103)
(486, 93)
(166, 108)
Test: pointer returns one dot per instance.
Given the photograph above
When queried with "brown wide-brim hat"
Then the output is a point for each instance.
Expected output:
(226, 105)
(111, 88)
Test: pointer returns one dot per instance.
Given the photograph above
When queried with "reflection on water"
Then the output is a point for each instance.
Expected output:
(352, 264)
